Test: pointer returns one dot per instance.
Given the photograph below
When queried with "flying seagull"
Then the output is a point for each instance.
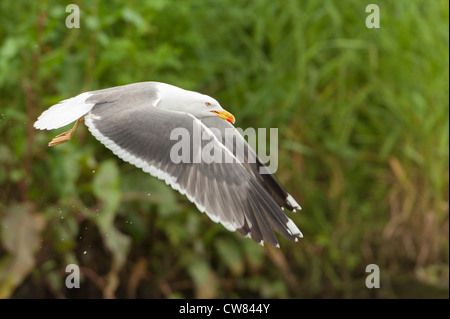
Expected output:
(136, 122)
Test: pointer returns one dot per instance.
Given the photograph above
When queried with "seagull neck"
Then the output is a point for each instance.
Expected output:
(174, 99)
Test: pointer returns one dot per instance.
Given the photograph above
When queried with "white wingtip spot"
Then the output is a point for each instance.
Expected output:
(293, 202)
(293, 229)
(261, 243)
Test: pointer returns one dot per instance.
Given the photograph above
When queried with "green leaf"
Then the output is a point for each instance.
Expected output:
(231, 255)
(21, 238)
(204, 278)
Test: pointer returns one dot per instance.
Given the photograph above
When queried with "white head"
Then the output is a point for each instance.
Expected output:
(197, 104)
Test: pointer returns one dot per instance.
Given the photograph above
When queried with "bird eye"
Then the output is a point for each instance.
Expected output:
(208, 104)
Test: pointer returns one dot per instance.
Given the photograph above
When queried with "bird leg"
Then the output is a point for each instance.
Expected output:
(66, 136)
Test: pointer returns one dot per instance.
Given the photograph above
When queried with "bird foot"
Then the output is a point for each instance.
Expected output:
(61, 138)
(66, 136)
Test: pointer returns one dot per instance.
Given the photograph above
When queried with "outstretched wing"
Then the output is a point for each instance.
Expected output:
(235, 142)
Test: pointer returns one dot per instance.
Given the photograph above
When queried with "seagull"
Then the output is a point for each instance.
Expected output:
(136, 122)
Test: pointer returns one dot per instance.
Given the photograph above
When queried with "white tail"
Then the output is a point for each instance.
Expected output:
(65, 112)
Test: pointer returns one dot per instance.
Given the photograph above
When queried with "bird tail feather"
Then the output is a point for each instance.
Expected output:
(64, 113)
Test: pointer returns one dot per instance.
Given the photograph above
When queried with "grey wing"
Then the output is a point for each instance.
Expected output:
(135, 130)
(244, 152)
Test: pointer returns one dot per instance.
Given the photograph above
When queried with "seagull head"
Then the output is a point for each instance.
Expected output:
(202, 106)
(199, 105)
(211, 107)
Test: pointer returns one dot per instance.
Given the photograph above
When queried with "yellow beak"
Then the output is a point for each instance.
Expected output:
(227, 116)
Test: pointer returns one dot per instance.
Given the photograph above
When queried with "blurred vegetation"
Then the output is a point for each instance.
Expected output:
(363, 118)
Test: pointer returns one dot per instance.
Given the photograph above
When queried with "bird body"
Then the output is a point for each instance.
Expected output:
(137, 123)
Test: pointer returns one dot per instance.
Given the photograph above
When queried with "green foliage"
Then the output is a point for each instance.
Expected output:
(363, 118)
